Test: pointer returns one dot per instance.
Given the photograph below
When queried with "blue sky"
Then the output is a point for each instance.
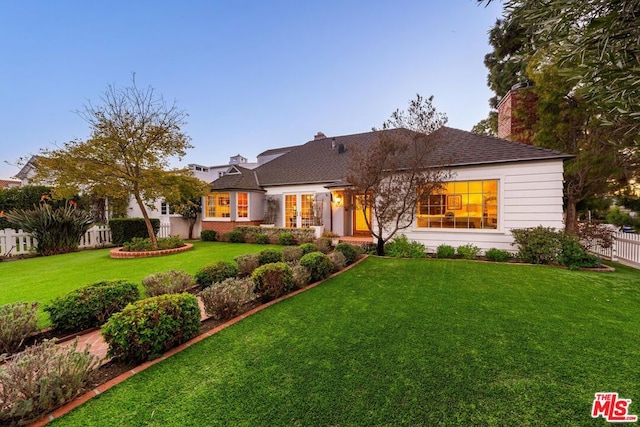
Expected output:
(252, 75)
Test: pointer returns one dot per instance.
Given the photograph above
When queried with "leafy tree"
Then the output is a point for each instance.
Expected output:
(134, 133)
(595, 45)
(568, 123)
(389, 177)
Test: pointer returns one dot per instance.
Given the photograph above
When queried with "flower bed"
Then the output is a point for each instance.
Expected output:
(119, 253)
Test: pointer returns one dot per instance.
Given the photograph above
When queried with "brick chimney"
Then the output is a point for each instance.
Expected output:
(517, 113)
(319, 135)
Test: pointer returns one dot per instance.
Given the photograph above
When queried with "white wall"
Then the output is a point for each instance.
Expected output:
(530, 194)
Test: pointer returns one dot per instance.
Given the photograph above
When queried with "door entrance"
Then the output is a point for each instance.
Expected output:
(298, 210)
(359, 222)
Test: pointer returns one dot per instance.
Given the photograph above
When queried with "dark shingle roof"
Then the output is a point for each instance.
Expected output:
(322, 161)
(238, 178)
(280, 150)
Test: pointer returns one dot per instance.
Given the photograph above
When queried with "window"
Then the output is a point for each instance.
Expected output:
(217, 205)
(243, 205)
(166, 209)
(461, 204)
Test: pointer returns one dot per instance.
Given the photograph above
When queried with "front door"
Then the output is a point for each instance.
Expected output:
(298, 210)
(359, 222)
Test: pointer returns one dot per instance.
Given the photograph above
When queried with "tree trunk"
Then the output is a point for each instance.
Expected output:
(380, 247)
(192, 223)
(147, 221)
(571, 221)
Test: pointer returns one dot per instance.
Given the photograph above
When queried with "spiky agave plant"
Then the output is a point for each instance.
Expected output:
(56, 230)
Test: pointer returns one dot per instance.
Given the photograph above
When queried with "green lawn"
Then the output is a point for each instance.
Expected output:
(44, 278)
(404, 342)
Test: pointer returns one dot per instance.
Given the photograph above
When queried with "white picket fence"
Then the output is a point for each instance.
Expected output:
(625, 249)
(14, 243)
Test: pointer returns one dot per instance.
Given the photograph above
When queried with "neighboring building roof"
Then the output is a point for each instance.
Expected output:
(237, 178)
(8, 183)
(325, 160)
(281, 150)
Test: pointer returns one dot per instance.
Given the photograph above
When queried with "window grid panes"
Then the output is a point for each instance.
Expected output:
(218, 205)
(461, 204)
(243, 205)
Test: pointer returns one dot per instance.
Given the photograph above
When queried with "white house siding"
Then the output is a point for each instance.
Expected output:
(530, 194)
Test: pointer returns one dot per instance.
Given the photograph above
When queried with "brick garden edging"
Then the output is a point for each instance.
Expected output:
(69, 406)
(119, 253)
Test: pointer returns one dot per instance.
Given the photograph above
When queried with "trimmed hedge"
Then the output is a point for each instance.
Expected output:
(273, 280)
(208, 235)
(319, 265)
(125, 229)
(350, 252)
(301, 235)
(215, 272)
(150, 327)
(91, 305)
(270, 255)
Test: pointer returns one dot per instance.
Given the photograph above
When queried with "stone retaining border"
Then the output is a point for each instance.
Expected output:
(119, 253)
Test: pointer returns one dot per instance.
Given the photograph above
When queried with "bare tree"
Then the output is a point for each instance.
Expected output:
(393, 174)
(134, 133)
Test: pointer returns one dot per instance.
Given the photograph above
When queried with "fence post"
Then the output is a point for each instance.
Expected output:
(614, 248)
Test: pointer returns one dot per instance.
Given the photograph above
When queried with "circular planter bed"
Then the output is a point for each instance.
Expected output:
(119, 253)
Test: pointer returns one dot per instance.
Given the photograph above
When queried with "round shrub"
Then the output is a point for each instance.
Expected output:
(401, 247)
(169, 282)
(286, 239)
(292, 253)
(319, 265)
(246, 264)
(445, 251)
(208, 235)
(148, 328)
(215, 272)
(262, 239)
(307, 248)
(301, 276)
(350, 252)
(236, 236)
(497, 255)
(270, 255)
(91, 305)
(273, 280)
(338, 259)
(226, 300)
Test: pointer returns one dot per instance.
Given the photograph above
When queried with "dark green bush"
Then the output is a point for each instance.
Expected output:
(286, 239)
(137, 244)
(169, 282)
(170, 242)
(228, 299)
(273, 280)
(538, 245)
(497, 255)
(17, 321)
(269, 255)
(262, 239)
(147, 328)
(401, 247)
(468, 251)
(292, 253)
(247, 263)
(307, 248)
(350, 252)
(445, 251)
(318, 264)
(215, 272)
(574, 256)
(543, 245)
(91, 305)
(208, 235)
(41, 378)
(125, 229)
(235, 236)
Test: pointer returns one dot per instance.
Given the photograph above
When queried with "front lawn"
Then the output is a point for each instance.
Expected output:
(44, 278)
(404, 342)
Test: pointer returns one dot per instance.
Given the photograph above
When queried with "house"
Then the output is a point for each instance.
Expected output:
(496, 185)
(5, 184)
